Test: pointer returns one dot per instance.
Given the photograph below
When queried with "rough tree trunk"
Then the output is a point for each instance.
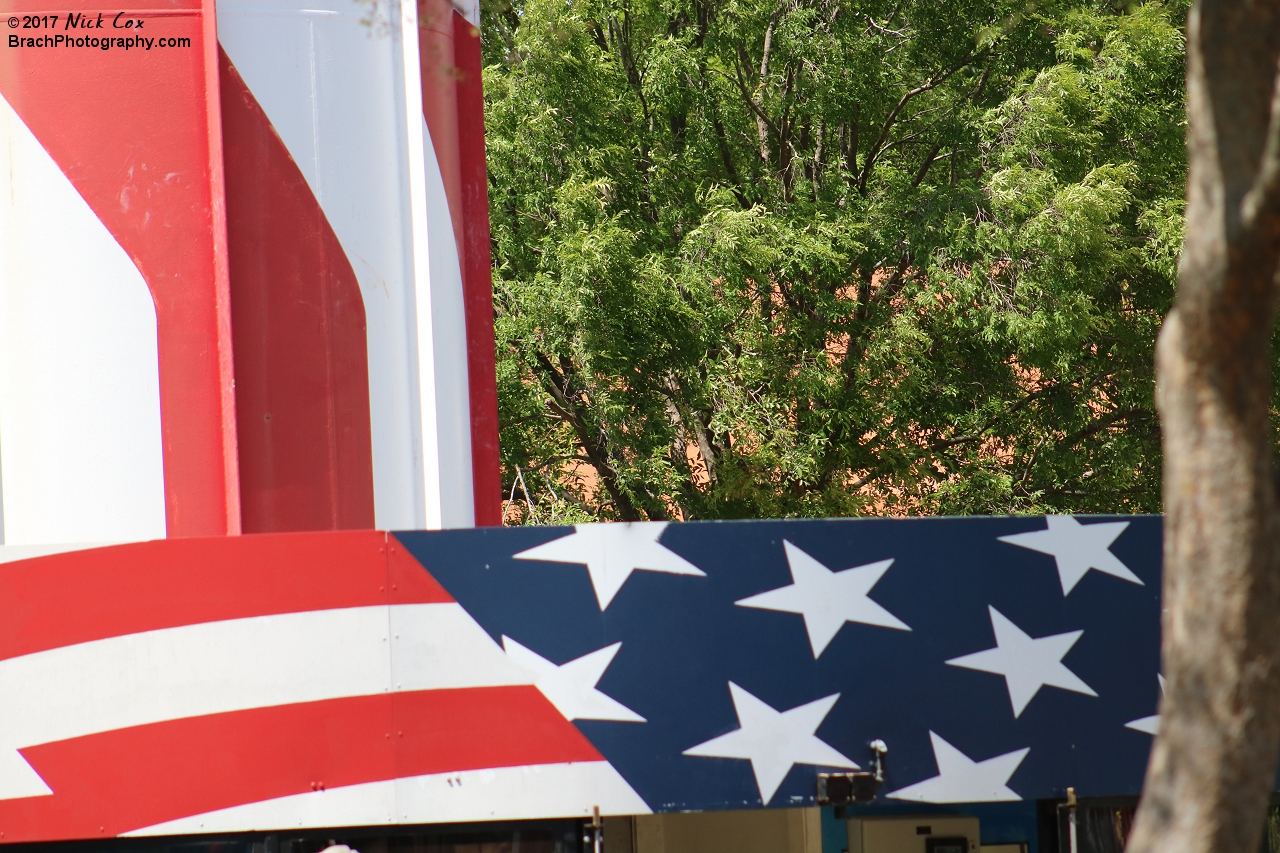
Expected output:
(1214, 761)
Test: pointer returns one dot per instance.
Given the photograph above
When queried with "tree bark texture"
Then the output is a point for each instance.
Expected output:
(1214, 761)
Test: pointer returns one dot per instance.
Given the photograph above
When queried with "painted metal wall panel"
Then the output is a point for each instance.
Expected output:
(329, 90)
(362, 678)
(267, 682)
(344, 94)
(448, 439)
(453, 111)
(133, 130)
(326, 362)
(868, 658)
(79, 368)
(477, 268)
(299, 327)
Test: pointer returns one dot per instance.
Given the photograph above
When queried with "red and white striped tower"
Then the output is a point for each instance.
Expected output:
(244, 281)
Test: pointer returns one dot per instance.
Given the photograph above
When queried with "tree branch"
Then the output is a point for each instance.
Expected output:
(932, 83)
(571, 410)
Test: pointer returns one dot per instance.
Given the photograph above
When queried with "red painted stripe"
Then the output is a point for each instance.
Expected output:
(440, 100)
(89, 595)
(134, 132)
(442, 730)
(477, 281)
(221, 268)
(119, 781)
(302, 368)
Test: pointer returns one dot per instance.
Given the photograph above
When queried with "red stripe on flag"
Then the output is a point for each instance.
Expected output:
(80, 596)
(444, 730)
(115, 782)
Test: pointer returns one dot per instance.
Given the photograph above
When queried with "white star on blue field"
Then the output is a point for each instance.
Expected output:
(726, 664)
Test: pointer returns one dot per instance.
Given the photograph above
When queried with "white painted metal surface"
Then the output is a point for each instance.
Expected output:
(514, 793)
(80, 442)
(345, 97)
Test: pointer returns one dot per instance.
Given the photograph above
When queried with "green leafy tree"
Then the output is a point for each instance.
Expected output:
(831, 257)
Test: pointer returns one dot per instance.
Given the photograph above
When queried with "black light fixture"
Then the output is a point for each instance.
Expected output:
(842, 789)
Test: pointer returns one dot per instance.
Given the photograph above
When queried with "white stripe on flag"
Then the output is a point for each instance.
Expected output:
(506, 793)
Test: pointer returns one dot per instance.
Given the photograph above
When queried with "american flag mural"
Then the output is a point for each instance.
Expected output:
(362, 678)
(255, 682)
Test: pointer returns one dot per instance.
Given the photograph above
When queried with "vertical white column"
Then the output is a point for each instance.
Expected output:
(441, 332)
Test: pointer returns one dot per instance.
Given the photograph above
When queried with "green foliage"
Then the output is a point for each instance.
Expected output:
(831, 257)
